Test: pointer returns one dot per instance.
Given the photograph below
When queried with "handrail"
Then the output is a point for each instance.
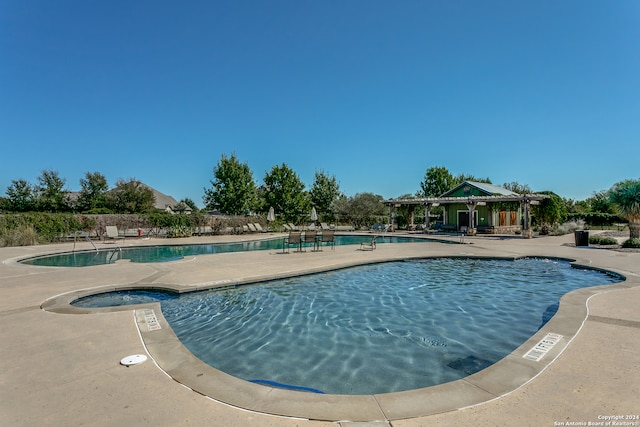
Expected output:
(91, 241)
(116, 249)
(86, 236)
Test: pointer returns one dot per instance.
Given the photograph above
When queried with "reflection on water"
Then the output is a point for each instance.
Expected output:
(378, 328)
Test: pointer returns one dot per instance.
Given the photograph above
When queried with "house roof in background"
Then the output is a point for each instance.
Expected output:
(162, 201)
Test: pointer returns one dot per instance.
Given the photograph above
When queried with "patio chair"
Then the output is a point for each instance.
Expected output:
(294, 238)
(369, 246)
(311, 236)
(112, 233)
(328, 237)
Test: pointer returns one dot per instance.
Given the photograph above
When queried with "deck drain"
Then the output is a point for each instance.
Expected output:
(135, 359)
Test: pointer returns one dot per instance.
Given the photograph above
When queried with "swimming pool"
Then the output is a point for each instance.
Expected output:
(373, 329)
(166, 253)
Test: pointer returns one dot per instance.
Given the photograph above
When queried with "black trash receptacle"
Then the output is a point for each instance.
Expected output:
(582, 237)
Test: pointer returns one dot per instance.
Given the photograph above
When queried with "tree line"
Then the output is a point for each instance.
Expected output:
(49, 195)
(234, 191)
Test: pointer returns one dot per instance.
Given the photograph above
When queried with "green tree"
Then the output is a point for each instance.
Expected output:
(517, 187)
(459, 179)
(360, 210)
(50, 193)
(550, 212)
(626, 196)
(93, 192)
(601, 202)
(21, 196)
(188, 202)
(437, 180)
(130, 196)
(577, 206)
(324, 192)
(284, 191)
(233, 190)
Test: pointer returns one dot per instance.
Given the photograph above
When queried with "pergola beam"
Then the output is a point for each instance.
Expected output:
(434, 201)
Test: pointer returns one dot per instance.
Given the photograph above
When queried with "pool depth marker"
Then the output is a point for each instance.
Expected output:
(151, 319)
(543, 347)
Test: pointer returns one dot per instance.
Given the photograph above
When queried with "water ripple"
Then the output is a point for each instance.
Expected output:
(378, 328)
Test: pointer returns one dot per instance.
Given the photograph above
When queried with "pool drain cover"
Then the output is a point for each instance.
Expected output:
(135, 359)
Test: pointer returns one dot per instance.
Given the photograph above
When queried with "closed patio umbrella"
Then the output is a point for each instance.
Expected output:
(314, 215)
(271, 216)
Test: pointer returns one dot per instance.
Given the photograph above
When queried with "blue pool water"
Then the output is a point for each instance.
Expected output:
(372, 329)
(166, 253)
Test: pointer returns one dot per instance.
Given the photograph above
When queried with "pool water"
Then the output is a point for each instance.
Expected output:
(165, 253)
(373, 329)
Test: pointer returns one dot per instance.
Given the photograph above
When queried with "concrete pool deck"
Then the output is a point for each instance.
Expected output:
(63, 369)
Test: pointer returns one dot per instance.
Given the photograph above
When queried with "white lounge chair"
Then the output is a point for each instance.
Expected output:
(112, 233)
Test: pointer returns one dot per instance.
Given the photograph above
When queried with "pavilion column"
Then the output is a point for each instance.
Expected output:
(426, 216)
(411, 217)
(427, 211)
(471, 205)
(390, 217)
(526, 203)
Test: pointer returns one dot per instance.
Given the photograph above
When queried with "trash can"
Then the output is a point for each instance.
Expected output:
(582, 237)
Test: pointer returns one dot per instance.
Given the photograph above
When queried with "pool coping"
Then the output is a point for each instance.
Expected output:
(498, 380)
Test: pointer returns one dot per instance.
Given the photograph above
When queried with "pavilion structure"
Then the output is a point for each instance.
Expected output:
(474, 207)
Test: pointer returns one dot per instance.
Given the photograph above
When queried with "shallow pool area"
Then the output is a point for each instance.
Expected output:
(371, 329)
(167, 253)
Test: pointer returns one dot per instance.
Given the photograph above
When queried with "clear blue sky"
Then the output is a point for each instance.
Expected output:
(545, 93)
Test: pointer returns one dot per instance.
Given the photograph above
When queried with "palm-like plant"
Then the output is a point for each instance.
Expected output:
(626, 196)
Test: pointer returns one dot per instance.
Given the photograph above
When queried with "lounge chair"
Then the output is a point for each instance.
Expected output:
(287, 227)
(112, 233)
(311, 236)
(259, 228)
(294, 238)
(369, 246)
(328, 237)
(324, 226)
(252, 228)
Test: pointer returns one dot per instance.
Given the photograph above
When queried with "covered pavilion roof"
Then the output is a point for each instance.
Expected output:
(524, 198)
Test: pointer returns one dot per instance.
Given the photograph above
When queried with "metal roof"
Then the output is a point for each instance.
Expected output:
(489, 189)
(494, 193)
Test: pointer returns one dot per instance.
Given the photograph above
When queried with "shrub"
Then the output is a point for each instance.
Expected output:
(567, 227)
(179, 231)
(38, 227)
(22, 235)
(631, 243)
(597, 219)
(602, 240)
